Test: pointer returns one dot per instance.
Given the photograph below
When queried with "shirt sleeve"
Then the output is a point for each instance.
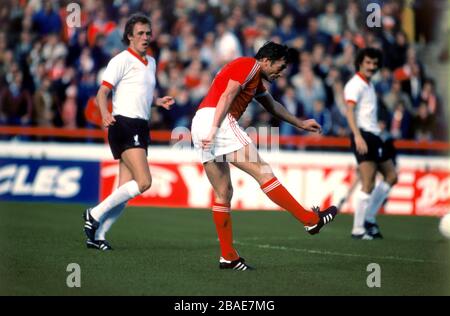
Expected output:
(113, 72)
(244, 70)
(352, 93)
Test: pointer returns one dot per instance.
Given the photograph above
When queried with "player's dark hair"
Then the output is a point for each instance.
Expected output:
(129, 26)
(370, 52)
(273, 51)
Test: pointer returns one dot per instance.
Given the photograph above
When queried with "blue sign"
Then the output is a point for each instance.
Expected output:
(49, 180)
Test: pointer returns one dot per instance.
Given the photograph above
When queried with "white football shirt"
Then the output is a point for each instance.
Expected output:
(132, 80)
(361, 93)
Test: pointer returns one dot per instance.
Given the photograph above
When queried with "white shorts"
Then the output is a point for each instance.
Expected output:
(229, 138)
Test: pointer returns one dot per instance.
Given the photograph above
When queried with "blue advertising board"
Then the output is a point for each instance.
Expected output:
(49, 180)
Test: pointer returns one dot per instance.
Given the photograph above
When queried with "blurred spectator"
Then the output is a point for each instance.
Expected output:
(352, 17)
(202, 88)
(322, 115)
(44, 108)
(193, 39)
(100, 25)
(69, 108)
(98, 55)
(400, 121)
(24, 47)
(423, 123)
(396, 95)
(401, 48)
(86, 88)
(388, 41)
(113, 42)
(303, 11)
(15, 102)
(293, 106)
(53, 48)
(202, 19)
(286, 31)
(384, 82)
(314, 35)
(413, 84)
(330, 22)
(183, 110)
(428, 96)
(308, 88)
(339, 111)
(227, 45)
(47, 20)
(76, 44)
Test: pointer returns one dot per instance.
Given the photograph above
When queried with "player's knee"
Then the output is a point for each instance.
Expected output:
(225, 195)
(368, 187)
(144, 185)
(392, 179)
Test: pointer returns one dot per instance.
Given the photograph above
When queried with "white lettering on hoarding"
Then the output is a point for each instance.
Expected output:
(48, 181)
(319, 186)
(434, 197)
(199, 188)
(67, 184)
(6, 173)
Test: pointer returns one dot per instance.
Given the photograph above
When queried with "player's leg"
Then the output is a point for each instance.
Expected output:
(218, 174)
(135, 159)
(379, 195)
(248, 160)
(111, 217)
(367, 172)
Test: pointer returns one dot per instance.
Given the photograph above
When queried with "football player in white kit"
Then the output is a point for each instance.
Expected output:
(372, 153)
(131, 76)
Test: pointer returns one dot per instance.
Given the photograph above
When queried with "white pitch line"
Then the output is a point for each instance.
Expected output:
(331, 253)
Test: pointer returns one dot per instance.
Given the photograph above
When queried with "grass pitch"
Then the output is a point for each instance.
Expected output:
(175, 252)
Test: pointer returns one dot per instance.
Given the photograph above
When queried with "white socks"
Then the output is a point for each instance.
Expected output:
(362, 202)
(121, 195)
(379, 194)
(109, 219)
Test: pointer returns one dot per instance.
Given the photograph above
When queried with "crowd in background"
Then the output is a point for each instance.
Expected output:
(50, 72)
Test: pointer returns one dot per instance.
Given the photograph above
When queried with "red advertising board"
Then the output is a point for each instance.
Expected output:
(184, 184)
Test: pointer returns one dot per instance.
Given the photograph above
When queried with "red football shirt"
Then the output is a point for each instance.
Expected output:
(247, 72)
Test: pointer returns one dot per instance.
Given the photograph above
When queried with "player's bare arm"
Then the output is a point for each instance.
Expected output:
(360, 143)
(222, 109)
(102, 103)
(165, 102)
(280, 112)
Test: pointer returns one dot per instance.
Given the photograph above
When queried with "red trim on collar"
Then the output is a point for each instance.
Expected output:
(141, 59)
(362, 77)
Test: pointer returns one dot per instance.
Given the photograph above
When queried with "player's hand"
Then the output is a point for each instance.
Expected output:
(208, 142)
(361, 146)
(166, 102)
(107, 119)
(311, 126)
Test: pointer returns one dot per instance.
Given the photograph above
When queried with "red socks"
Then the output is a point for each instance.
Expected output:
(280, 196)
(222, 219)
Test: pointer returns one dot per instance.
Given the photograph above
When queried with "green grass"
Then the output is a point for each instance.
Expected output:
(175, 252)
